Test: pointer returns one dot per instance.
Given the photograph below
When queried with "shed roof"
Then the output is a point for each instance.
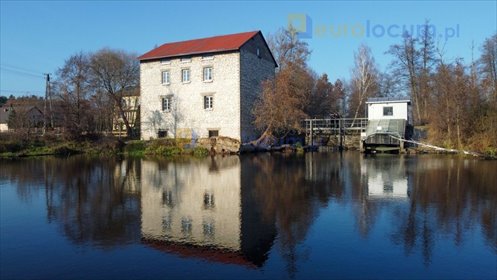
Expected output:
(223, 43)
(399, 99)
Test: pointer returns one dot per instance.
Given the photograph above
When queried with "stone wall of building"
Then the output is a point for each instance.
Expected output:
(256, 65)
(187, 117)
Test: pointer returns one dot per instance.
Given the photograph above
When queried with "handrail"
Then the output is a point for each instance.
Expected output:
(344, 123)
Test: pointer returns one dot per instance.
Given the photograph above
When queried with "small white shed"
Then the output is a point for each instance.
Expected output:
(388, 121)
(390, 108)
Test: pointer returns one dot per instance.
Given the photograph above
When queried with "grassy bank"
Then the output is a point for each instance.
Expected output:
(104, 146)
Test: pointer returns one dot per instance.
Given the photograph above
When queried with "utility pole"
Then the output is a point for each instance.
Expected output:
(47, 90)
(48, 96)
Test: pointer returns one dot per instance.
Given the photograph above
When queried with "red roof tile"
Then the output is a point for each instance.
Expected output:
(222, 43)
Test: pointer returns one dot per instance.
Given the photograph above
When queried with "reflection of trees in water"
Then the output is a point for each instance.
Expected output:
(448, 197)
(291, 195)
(94, 200)
(97, 200)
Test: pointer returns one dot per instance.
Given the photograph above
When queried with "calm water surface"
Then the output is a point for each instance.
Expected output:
(266, 216)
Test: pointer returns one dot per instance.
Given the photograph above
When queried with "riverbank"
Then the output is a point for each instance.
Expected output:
(111, 146)
(105, 146)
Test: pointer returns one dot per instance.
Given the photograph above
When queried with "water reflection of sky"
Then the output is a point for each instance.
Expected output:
(269, 216)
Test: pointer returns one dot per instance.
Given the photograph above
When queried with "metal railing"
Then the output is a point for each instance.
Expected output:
(333, 125)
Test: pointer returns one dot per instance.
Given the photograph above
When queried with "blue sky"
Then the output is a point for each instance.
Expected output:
(36, 37)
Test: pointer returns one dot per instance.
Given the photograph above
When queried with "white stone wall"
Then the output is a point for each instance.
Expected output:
(188, 118)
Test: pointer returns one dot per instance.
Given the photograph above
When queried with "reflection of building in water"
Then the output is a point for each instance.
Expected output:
(386, 177)
(196, 209)
(127, 174)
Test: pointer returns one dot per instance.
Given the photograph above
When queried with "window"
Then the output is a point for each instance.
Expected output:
(207, 74)
(213, 133)
(166, 103)
(186, 225)
(165, 77)
(165, 61)
(208, 200)
(387, 111)
(162, 133)
(186, 59)
(208, 102)
(167, 198)
(185, 75)
(209, 228)
(207, 57)
(258, 53)
(167, 222)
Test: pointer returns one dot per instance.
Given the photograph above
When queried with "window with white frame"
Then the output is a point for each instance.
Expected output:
(166, 103)
(207, 74)
(208, 102)
(207, 57)
(185, 75)
(165, 77)
(165, 61)
(185, 59)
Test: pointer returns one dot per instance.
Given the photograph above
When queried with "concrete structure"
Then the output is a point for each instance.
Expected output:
(389, 119)
(204, 87)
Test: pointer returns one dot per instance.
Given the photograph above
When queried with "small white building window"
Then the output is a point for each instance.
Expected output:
(207, 74)
(208, 102)
(388, 111)
(166, 103)
(185, 75)
(165, 61)
(165, 77)
(185, 59)
(207, 57)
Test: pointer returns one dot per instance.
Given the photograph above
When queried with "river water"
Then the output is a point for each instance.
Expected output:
(318, 215)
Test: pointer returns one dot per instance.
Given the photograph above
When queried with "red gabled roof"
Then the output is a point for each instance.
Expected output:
(211, 254)
(222, 43)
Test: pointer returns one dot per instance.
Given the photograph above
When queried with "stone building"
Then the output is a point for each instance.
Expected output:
(204, 87)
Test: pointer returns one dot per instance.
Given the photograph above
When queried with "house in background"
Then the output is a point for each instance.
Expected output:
(389, 119)
(20, 117)
(4, 119)
(204, 87)
(131, 107)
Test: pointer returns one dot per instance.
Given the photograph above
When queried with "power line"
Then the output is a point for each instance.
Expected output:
(20, 91)
(19, 72)
(20, 68)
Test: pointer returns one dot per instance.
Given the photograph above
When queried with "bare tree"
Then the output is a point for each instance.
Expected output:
(364, 81)
(114, 72)
(488, 62)
(406, 67)
(74, 87)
